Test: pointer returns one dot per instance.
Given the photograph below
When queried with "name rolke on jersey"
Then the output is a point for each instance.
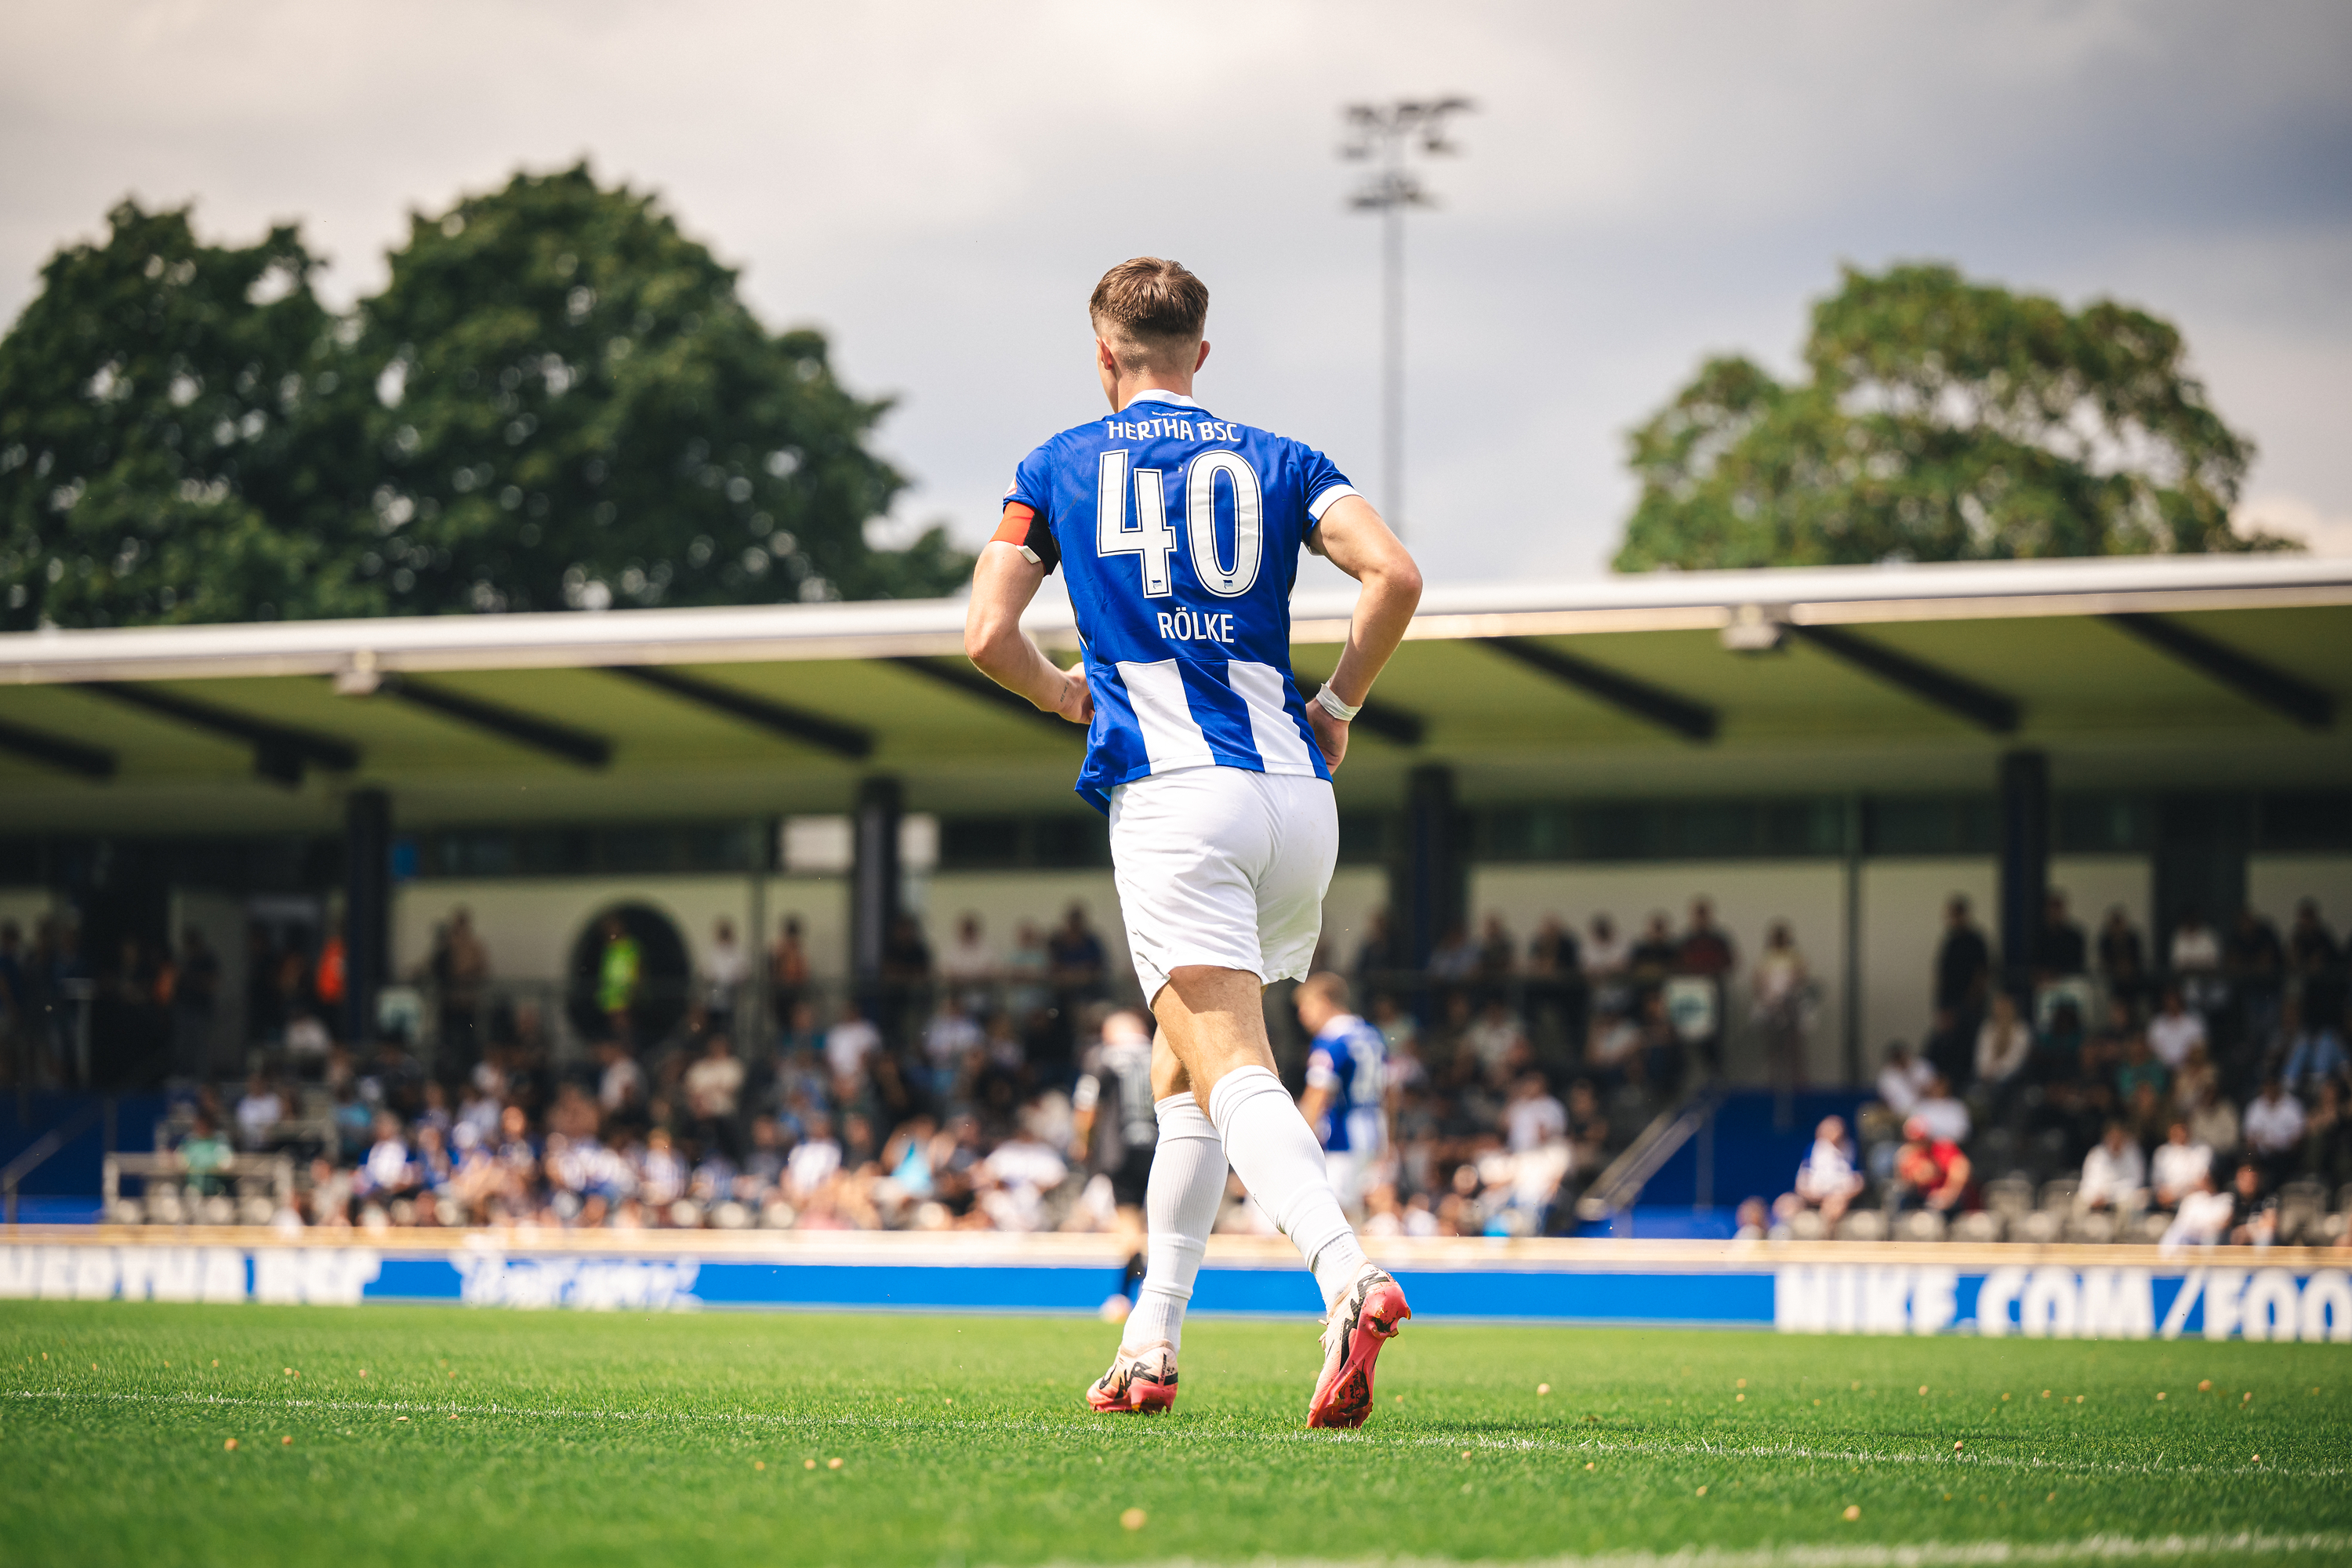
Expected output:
(1178, 535)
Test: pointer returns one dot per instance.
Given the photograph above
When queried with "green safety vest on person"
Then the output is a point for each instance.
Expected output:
(616, 986)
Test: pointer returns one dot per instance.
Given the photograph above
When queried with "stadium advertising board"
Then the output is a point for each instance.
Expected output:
(2049, 1293)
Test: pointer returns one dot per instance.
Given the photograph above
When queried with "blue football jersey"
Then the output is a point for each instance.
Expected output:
(1351, 1058)
(1179, 534)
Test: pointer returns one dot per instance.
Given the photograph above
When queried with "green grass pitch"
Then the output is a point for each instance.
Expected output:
(434, 1436)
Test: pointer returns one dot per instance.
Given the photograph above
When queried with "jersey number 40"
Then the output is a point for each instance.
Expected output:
(1154, 540)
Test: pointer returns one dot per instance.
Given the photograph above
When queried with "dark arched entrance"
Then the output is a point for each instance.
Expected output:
(663, 975)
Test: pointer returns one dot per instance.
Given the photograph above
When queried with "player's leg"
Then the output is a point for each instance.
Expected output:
(1181, 1201)
(1367, 1308)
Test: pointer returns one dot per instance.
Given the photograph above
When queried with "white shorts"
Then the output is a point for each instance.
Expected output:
(1223, 867)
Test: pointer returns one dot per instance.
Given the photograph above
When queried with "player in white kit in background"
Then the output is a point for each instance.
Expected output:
(1178, 532)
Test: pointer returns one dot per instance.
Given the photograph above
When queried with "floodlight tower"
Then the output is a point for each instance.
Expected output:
(1386, 134)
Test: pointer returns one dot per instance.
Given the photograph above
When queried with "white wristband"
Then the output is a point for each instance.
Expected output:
(1330, 700)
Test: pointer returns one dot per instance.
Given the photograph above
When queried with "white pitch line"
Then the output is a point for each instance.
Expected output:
(1922, 1554)
(1050, 1429)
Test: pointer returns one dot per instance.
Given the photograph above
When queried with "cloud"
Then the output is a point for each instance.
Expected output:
(2291, 517)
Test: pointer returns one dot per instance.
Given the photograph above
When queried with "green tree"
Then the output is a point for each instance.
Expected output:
(1942, 420)
(169, 448)
(573, 407)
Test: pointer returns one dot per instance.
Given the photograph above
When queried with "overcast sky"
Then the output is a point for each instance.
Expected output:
(938, 185)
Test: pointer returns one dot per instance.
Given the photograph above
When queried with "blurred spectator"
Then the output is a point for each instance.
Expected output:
(1903, 1082)
(1554, 950)
(2114, 1173)
(205, 1153)
(1614, 1041)
(1706, 948)
(459, 968)
(2328, 1137)
(1932, 1169)
(2003, 1045)
(1749, 1222)
(714, 1088)
(258, 1113)
(1828, 1179)
(2314, 1052)
(969, 959)
(2196, 951)
(1015, 1179)
(619, 973)
(2063, 950)
(2179, 1164)
(788, 968)
(813, 1163)
(1076, 956)
(1963, 964)
(1942, 1113)
(1950, 1048)
(2140, 1068)
(2123, 957)
(725, 969)
(1652, 958)
(2256, 961)
(849, 1046)
(2203, 1219)
(2197, 1077)
(1534, 1117)
(2213, 1122)
(386, 1173)
(1781, 989)
(1497, 1037)
(2253, 1213)
(1456, 956)
(620, 1082)
(1498, 953)
(2318, 964)
(2273, 1130)
(1607, 959)
(948, 1040)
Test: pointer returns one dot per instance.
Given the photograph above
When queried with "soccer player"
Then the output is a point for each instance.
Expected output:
(1179, 533)
(1113, 1130)
(1346, 1097)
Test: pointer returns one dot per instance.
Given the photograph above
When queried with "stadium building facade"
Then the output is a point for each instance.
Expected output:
(1842, 749)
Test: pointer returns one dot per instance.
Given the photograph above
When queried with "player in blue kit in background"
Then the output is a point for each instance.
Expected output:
(1347, 1091)
(1179, 533)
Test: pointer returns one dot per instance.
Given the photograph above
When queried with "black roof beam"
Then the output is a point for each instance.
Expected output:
(281, 751)
(496, 718)
(2249, 678)
(1957, 695)
(1654, 704)
(848, 740)
(56, 751)
(1389, 723)
(961, 675)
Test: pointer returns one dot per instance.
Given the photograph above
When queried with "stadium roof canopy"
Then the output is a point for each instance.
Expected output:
(2155, 673)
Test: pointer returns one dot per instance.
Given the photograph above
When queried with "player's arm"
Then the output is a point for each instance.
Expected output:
(1003, 583)
(1352, 537)
(1322, 1088)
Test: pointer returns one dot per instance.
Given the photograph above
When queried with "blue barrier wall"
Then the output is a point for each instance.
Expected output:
(2082, 1293)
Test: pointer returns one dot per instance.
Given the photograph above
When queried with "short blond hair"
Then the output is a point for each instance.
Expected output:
(1149, 308)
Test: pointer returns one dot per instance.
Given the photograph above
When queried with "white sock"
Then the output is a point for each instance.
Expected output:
(1271, 1145)
(1187, 1186)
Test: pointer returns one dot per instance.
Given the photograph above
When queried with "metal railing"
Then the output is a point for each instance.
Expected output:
(13, 1174)
(275, 1169)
